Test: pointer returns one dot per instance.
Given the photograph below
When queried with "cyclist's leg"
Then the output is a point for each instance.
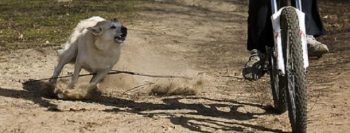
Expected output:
(314, 25)
(259, 35)
(314, 28)
(258, 20)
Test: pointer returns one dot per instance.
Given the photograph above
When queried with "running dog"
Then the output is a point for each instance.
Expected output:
(95, 46)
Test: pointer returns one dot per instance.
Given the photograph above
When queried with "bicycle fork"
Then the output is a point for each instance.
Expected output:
(276, 5)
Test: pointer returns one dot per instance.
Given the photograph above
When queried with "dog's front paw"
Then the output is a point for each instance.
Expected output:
(83, 91)
(73, 94)
(61, 95)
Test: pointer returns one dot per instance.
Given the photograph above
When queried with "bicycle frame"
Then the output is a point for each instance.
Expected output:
(276, 12)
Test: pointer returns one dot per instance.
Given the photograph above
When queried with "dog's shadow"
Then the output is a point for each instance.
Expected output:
(37, 91)
(201, 115)
(39, 88)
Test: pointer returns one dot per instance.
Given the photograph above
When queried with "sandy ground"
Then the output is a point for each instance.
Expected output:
(201, 39)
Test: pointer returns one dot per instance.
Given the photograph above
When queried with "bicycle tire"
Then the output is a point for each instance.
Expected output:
(295, 76)
(277, 86)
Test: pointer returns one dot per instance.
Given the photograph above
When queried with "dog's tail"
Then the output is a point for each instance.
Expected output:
(68, 54)
(66, 47)
(60, 51)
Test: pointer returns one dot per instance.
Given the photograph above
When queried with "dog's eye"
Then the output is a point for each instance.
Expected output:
(113, 27)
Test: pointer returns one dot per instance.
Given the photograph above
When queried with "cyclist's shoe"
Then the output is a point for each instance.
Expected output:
(316, 48)
(253, 69)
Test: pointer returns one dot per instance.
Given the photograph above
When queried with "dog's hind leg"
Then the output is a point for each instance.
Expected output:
(77, 69)
(64, 58)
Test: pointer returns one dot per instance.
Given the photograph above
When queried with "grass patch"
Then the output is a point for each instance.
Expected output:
(32, 23)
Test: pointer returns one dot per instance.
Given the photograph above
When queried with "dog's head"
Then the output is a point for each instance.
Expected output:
(110, 31)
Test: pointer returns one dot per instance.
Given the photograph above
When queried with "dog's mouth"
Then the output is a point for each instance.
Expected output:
(119, 39)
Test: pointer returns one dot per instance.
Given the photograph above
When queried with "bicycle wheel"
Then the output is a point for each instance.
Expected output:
(277, 86)
(295, 71)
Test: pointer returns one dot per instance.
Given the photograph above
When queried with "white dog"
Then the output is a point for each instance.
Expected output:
(95, 46)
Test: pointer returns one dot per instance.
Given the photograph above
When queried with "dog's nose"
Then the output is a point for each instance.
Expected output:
(124, 31)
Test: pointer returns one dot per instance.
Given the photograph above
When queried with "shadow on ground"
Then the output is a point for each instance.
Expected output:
(195, 116)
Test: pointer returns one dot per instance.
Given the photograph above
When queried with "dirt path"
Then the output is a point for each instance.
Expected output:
(195, 38)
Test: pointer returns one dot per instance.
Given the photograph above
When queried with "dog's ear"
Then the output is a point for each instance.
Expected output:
(96, 30)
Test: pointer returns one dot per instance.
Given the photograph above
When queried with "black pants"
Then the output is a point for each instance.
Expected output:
(260, 26)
